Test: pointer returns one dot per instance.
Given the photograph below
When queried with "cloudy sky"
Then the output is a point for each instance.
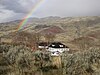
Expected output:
(17, 9)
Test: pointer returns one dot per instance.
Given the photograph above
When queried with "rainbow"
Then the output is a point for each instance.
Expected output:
(25, 19)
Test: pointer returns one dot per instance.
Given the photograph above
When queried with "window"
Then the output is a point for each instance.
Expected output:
(61, 45)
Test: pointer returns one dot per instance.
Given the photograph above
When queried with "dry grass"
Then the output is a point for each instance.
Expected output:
(82, 63)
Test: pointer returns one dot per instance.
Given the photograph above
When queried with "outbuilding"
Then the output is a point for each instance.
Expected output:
(43, 45)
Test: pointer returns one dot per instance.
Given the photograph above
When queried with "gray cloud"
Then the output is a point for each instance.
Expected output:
(14, 9)
(71, 8)
(12, 5)
(18, 6)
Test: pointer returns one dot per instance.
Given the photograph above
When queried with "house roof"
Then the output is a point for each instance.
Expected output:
(57, 45)
(43, 44)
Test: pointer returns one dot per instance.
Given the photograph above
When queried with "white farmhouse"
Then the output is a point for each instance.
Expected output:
(57, 48)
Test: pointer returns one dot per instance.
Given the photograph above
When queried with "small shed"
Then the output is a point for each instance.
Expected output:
(42, 45)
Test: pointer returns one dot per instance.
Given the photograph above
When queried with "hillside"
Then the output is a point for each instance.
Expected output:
(52, 30)
(19, 52)
(65, 29)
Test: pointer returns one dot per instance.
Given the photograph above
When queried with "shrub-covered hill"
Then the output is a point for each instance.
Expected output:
(19, 59)
(82, 63)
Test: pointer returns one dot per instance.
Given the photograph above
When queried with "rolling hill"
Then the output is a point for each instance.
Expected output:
(67, 30)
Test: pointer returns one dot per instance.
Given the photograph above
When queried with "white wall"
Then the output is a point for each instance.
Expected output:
(42, 46)
(58, 49)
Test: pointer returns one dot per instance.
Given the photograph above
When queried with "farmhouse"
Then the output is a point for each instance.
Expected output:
(57, 48)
